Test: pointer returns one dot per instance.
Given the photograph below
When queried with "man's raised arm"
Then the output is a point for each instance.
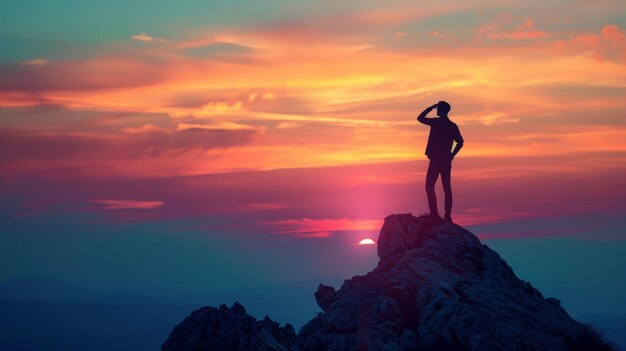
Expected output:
(422, 117)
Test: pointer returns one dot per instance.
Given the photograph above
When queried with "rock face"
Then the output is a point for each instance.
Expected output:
(229, 329)
(324, 296)
(436, 287)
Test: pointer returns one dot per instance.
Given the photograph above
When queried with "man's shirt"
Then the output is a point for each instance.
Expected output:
(442, 133)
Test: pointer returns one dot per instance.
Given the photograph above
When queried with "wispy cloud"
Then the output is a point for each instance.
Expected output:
(218, 126)
(526, 30)
(442, 36)
(147, 38)
(307, 227)
(36, 62)
(149, 149)
(400, 35)
(210, 109)
(125, 204)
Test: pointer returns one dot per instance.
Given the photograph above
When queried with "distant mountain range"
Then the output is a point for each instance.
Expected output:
(47, 314)
(45, 289)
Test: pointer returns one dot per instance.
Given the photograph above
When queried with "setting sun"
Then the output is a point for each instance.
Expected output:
(367, 241)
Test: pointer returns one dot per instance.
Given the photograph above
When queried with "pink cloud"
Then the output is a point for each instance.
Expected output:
(400, 35)
(261, 206)
(36, 62)
(218, 126)
(613, 35)
(442, 36)
(122, 204)
(526, 30)
(135, 149)
(312, 235)
(307, 227)
(149, 139)
(105, 72)
(608, 44)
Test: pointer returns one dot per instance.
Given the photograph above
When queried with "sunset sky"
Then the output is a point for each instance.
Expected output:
(214, 145)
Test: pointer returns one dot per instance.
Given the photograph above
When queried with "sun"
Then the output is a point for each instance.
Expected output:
(367, 241)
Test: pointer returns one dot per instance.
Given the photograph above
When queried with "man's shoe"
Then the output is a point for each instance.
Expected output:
(447, 217)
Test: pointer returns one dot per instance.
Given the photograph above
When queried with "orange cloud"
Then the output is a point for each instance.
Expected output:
(218, 126)
(322, 99)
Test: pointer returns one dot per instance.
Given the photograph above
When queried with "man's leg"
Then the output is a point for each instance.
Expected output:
(446, 168)
(431, 178)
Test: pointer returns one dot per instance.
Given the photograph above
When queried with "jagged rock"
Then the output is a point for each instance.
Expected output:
(324, 296)
(399, 236)
(436, 287)
(229, 329)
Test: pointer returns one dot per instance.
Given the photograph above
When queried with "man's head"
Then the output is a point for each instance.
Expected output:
(443, 108)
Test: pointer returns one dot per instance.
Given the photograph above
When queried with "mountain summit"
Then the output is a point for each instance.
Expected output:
(436, 287)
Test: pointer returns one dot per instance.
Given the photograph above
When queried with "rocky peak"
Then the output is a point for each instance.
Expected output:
(229, 329)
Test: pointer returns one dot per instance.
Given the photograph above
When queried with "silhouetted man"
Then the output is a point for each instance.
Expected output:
(439, 151)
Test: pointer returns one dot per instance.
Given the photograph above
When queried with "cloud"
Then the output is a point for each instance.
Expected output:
(258, 206)
(135, 149)
(265, 96)
(26, 145)
(36, 62)
(524, 31)
(288, 125)
(80, 76)
(491, 118)
(210, 109)
(607, 45)
(213, 49)
(157, 140)
(307, 227)
(124, 204)
(312, 235)
(613, 35)
(218, 126)
(442, 36)
(147, 128)
(146, 38)
(400, 35)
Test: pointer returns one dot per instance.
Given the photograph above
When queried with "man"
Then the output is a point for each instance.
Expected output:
(439, 151)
